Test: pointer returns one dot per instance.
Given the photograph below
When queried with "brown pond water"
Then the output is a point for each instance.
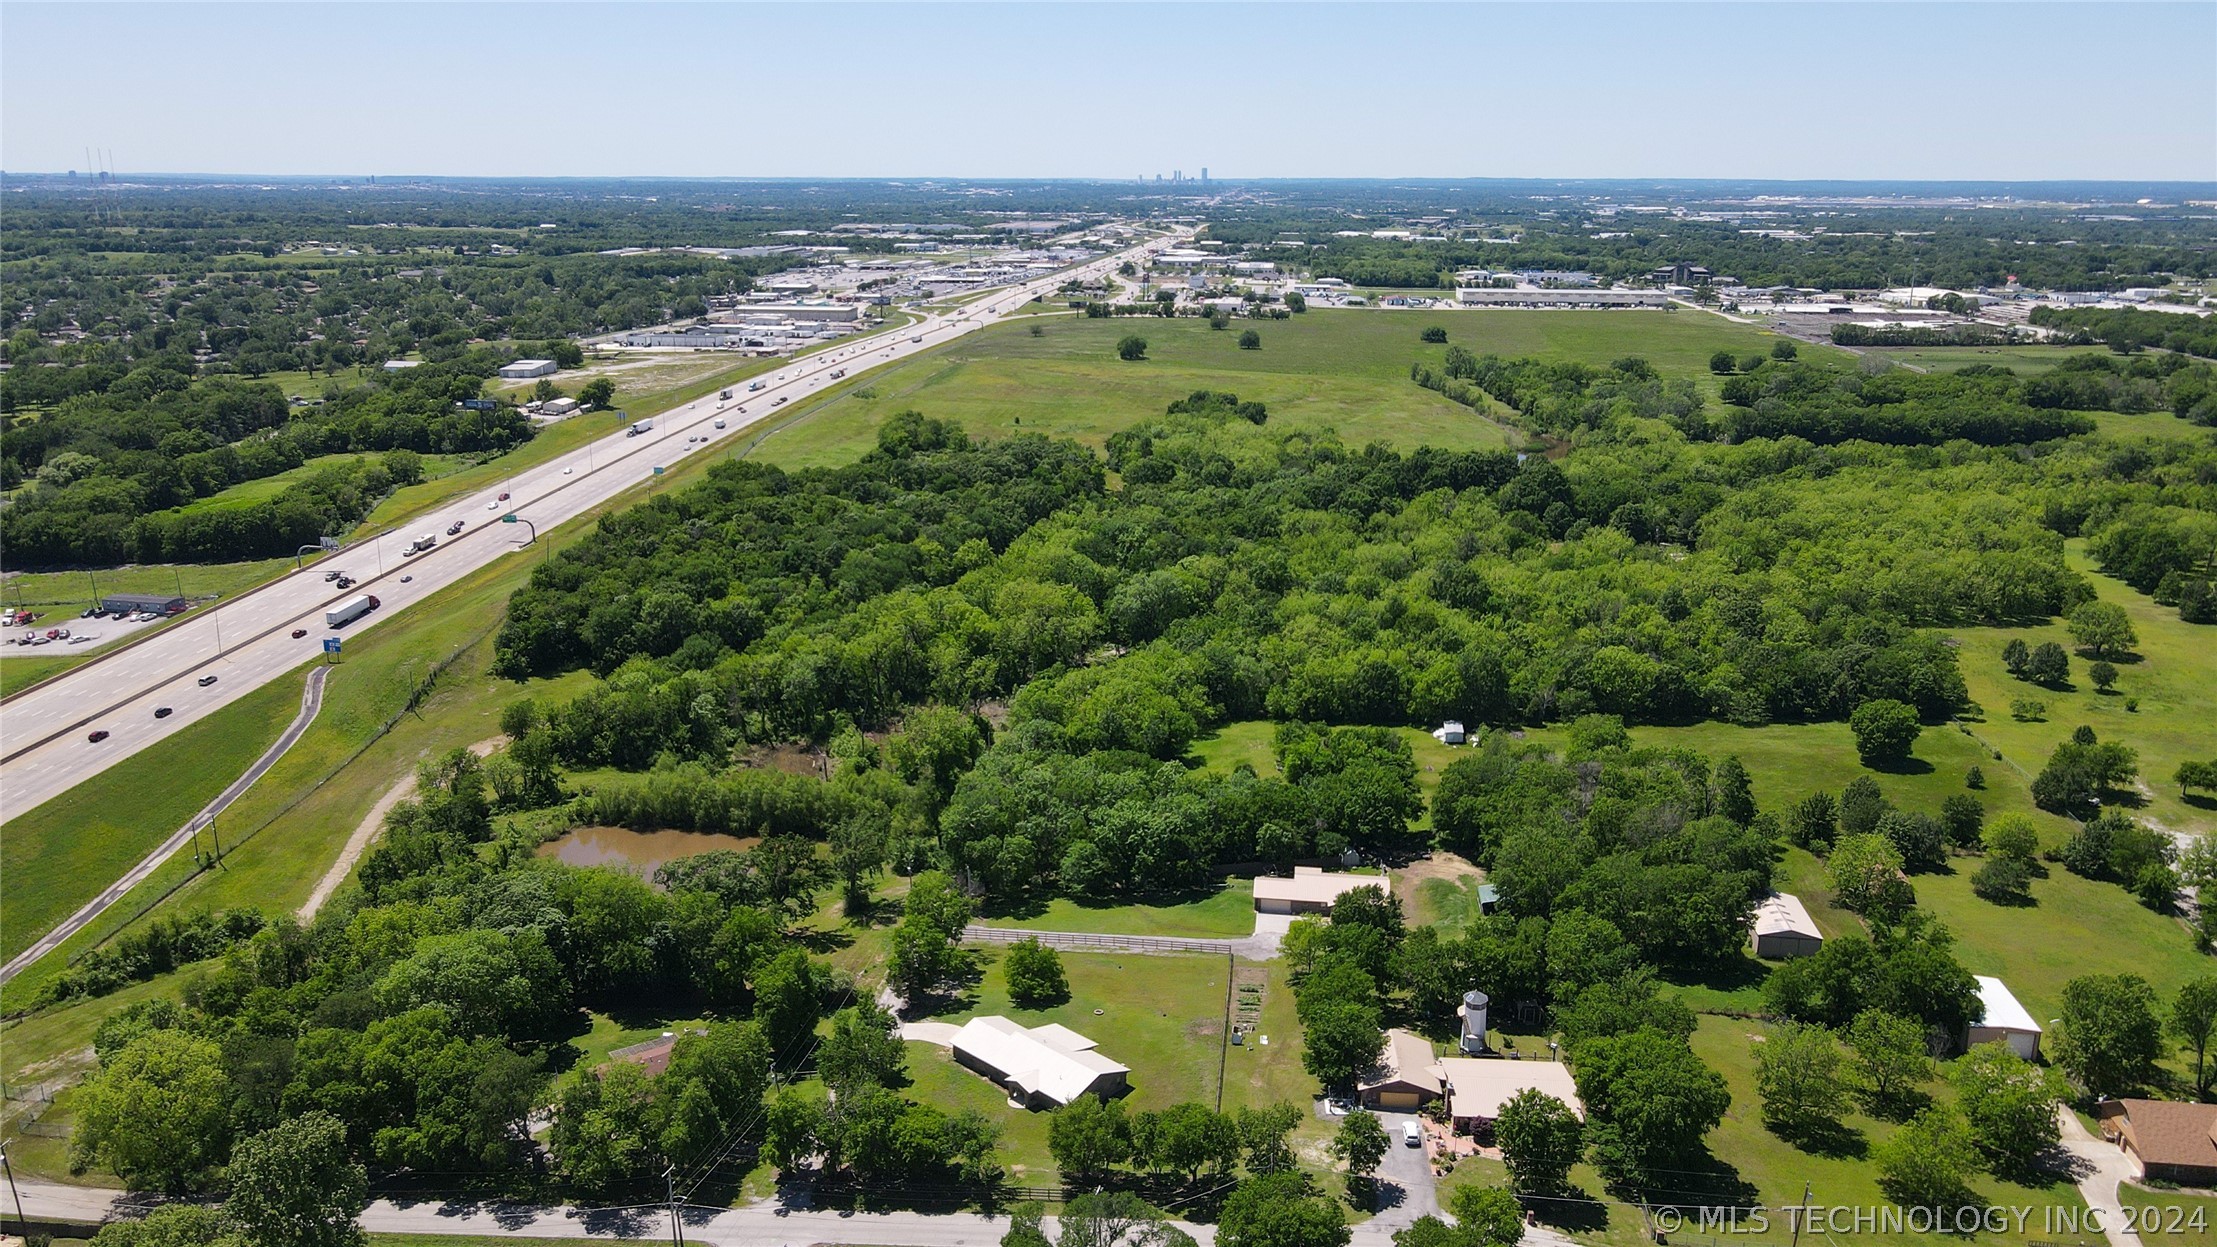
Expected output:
(639, 851)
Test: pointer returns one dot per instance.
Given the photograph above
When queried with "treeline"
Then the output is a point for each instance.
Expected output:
(111, 473)
(1921, 335)
(1562, 397)
(1824, 405)
(2132, 329)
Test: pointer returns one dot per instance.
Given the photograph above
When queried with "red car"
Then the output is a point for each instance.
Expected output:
(299, 633)
(504, 495)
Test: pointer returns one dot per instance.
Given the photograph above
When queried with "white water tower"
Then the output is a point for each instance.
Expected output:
(1473, 1012)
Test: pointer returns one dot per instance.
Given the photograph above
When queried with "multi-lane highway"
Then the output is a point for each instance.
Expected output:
(247, 642)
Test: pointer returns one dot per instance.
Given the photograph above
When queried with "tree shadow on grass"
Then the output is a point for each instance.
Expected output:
(1726, 975)
(1829, 1138)
(1572, 1211)
(1901, 766)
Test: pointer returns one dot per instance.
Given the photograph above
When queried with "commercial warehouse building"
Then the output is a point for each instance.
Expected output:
(158, 603)
(526, 369)
(1480, 296)
(1043, 1066)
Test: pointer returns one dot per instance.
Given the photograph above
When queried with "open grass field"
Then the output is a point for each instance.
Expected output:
(1345, 370)
(2171, 1218)
(2173, 676)
(247, 493)
(2025, 361)
(1227, 912)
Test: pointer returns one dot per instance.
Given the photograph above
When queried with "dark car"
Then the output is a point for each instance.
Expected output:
(162, 712)
(97, 737)
(504, 495)
(207, 680)
(299, 633)
(454, 528)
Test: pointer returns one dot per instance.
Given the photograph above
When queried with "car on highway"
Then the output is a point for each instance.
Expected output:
(780, 401)
(163, 712)
(719, 424)
(454, 528)
(96, 737)
(207, 680)
(567, 471)
(504, 495)
(328, 577)
(299, 633)
(406, 579)
(492, 506)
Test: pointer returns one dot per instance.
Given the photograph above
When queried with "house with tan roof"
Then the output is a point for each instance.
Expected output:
(1311, 890)
(1477, 1087)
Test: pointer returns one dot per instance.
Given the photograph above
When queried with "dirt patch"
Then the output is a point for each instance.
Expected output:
(789, 758)
(366, 831)
(1449, 866)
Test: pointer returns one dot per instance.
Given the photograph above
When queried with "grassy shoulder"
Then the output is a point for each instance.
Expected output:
(62, 853)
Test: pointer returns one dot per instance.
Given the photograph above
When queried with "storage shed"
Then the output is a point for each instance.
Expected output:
(2006, 1020)
(1784, 929)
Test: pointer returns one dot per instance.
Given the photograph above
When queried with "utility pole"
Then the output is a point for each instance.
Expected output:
(677, 1223)
(21, 1221)
(1801, 1214)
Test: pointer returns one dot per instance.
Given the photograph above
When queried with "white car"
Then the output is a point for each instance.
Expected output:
(719, 424)
(492, 506)
(567, 471)
(1412, 1135)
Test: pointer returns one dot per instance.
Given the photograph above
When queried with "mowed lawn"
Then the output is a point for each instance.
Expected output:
(1340, 369)
(1226, 912)
(1249, 740)
(1778, 1169)
(2025, 361)
(2075, 926)
(59, 855)
(2172, 676)
(1164, 1016)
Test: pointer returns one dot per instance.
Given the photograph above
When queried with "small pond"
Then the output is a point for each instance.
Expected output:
(638, 851)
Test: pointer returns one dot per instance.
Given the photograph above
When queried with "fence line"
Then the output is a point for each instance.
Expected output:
(1078, 941)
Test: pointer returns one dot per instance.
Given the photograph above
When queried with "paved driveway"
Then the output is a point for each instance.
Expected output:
(1405, 1189)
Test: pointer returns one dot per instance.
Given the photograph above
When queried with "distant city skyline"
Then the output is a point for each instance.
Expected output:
(1864, 92)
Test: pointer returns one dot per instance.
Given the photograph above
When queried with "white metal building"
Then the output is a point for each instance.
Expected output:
(2006, 1020)
(526, 369)
(1049, 1064)
(1783, 928)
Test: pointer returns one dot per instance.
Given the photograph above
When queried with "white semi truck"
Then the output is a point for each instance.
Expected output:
(350, 610)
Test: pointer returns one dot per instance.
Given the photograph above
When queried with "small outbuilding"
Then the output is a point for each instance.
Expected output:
(1309, 891)
(1043, 1066)
(1783, 928)
(526, 369)
(1449, 733)
(1406, 1079)
(2006, 1020)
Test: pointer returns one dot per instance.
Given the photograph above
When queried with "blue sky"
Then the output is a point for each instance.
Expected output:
(1783, 90)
